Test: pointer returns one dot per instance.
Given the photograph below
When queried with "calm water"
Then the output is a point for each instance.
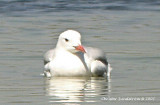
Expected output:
(127, 30)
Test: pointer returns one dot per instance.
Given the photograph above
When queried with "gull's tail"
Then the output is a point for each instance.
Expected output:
(109, 70)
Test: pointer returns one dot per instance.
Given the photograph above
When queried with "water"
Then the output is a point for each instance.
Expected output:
(127, 30)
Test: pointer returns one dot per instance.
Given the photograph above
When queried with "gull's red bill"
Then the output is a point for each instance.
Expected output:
(80, 48)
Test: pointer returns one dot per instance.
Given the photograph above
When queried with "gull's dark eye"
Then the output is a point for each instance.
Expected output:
(66, 40)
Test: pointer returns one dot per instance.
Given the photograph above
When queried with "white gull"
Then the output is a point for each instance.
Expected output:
(70, 58)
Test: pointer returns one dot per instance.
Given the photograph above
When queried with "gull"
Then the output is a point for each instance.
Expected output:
(71, 58)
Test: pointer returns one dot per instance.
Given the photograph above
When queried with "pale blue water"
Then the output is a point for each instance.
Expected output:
(127, 30)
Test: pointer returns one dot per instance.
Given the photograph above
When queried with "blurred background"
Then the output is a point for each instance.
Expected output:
(127, 30)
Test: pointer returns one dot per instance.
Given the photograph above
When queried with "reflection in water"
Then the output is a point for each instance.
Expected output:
(77, 89)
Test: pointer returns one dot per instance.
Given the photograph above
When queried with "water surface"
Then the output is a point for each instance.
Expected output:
(127, 30)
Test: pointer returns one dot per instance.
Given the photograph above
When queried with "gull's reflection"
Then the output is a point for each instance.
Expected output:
(77, 89)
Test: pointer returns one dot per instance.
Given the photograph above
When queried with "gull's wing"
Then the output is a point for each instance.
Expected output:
(99, 63)
(96, 54)
(49, 56)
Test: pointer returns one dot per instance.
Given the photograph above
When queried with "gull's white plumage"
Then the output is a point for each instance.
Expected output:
(70, 58)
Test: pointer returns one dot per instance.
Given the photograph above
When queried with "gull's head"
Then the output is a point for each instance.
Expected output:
(70, 40)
